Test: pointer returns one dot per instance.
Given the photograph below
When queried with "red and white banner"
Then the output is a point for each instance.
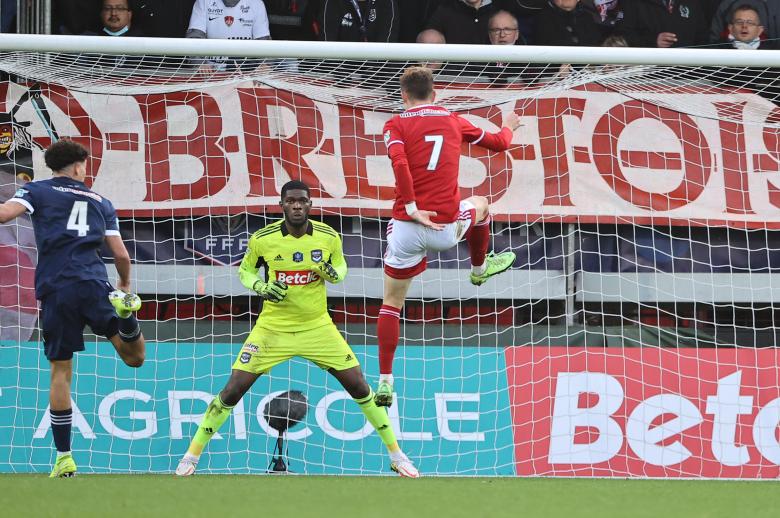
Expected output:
(645, 412)
(584, 155)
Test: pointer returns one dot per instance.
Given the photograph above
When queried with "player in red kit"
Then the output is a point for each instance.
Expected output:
(428, 216)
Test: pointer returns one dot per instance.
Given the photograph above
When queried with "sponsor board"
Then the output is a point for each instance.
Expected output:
(450, 415)
(645, 412)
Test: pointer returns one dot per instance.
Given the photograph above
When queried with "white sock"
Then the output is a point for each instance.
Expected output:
(386, 378)
(62, 453)
(191, 457)
(397, 456)
(478, 270)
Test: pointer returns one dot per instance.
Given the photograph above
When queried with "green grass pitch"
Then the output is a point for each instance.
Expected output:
(115, 496)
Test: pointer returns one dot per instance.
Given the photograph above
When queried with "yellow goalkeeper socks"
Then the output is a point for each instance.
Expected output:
(216, 415)
(379, 420)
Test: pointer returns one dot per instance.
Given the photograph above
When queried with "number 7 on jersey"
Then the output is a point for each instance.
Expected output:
(438, 141)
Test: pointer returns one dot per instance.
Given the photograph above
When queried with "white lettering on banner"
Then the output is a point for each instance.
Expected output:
(579, 154)
(726, 407)
(395, 421)
(645, 438)
(321, 413)
(765, 431)
(444, 416)
(79, 423)
(107, 405)
(175, 397)
(648, 439)
(106, 416)
(568, 416)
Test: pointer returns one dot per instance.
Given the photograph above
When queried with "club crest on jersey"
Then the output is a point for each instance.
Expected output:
(387, 137)
(685, 11)
(245, 357)
(296, 278)
(20, 193)
(298, 257)
(316, 255)
(229, 20)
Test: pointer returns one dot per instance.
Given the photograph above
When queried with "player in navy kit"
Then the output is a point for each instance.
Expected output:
(71, 223)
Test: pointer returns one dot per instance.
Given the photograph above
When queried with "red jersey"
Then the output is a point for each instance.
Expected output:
(424, 146)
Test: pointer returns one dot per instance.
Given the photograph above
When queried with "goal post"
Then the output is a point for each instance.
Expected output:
(635, 336)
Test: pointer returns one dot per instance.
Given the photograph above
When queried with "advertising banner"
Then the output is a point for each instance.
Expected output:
(586, 154)
(645, 412)
(450, 416)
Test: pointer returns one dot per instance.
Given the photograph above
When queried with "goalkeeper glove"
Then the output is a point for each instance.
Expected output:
(327, 272)
(274, 291)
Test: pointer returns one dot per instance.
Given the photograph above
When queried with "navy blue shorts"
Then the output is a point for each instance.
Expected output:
(65, 312)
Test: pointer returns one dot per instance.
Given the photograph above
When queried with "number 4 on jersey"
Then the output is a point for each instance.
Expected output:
(78, 218)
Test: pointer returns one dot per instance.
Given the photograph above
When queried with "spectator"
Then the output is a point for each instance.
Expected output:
(664, 23)
(567, 23)
(745, 30)
(291, 19)
(768, 13)
(116, 18)
(163, 18)
(607, 13)
(358, 20)
(463, 21)
(435, 37)
(227, 19)
(503, 29)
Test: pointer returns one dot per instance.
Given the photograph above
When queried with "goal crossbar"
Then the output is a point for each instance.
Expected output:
(384, 51)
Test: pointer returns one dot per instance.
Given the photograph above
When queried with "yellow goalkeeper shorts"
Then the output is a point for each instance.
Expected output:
(324, 346)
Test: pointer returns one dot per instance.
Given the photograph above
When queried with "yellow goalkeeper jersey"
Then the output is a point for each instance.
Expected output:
(291, 260)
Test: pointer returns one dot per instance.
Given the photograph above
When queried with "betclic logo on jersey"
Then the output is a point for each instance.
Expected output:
(299, 278)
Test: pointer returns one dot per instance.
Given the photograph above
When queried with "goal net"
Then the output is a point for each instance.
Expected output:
(635, 335)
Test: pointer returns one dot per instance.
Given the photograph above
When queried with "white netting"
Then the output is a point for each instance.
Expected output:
(640, 200)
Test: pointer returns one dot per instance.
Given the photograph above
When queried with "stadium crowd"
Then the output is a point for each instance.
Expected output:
(740, 24)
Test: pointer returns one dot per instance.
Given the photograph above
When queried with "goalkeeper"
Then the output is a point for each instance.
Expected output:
(298, 256)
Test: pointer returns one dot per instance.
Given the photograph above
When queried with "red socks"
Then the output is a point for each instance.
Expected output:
(478, 239)
(387, 330)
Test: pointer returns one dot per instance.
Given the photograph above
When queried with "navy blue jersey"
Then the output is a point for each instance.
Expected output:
(70, 223)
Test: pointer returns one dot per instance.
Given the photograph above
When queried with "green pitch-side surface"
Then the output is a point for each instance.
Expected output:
(345, 497)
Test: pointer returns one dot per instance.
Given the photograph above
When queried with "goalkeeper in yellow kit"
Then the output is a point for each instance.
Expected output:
(298, 256)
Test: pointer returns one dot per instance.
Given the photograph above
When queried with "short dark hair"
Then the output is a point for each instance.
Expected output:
(294, 184)
(417, 82)
(745, 7)
(63, 153)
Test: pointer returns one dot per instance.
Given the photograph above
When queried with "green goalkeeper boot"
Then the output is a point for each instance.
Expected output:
(384, 394)
(64, 467)
(494, 264)
(124, 303)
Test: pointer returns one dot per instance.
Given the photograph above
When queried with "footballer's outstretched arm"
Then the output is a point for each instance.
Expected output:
(493, 141)
(11, 210)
